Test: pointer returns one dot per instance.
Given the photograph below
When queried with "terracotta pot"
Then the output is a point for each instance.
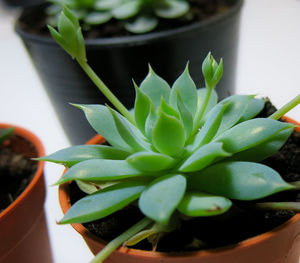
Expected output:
(281, 245)
(24, 236)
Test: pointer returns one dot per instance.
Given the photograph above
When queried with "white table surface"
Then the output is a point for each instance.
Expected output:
(269, 57)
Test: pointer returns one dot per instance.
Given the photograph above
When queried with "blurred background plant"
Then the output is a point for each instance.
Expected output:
(136, 16)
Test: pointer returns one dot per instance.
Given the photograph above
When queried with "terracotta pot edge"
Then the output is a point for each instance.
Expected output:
(29, 136)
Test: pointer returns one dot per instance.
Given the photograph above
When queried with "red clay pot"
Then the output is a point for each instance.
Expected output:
(281, 245)
(23, 229)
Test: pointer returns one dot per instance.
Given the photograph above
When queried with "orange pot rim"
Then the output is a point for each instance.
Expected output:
(65, 205)
(31, 137)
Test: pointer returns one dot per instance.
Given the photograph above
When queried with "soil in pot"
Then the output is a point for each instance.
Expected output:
(239, 223)
(200, 10)
(16, 170)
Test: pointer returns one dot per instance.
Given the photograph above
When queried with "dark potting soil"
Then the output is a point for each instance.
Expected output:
(239, 223)
(16, 172)
(199, 11)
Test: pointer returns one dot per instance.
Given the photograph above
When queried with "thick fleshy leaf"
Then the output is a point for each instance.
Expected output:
(97, 18)
(160, 199)
(167, 109)
(265, 149)
(126, 10)
(185, 116)
(155, 87)
(75, 154)
(150, 161)
(168, 135)
(100, 170)
(142, 24)
(187, 90)
(209, 129)
(150, 122)
(88, 188)
(127, 134)
(251, 133)
(254, 107)
(142, 108)
(172, 9)
(236, 107)
(103, 123)
(239, 180)
(203, 204)
(103, 202)
(203, 157)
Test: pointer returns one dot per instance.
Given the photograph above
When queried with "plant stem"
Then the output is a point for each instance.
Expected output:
(114, 244)
(286, 108)
(202, 109)
(292, 206)
(105, 91)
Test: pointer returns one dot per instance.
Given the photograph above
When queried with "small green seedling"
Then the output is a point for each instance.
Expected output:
(136, 16)
(179, 154)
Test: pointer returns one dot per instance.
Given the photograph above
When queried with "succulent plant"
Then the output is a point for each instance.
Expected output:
(180, 152)
(137, 16)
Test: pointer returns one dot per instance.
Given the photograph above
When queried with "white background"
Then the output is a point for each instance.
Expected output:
(269, 57)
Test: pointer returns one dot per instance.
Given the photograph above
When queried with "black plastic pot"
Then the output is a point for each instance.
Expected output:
(118, 60)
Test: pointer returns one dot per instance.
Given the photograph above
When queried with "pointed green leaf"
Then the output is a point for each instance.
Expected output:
(57, 37)
(150, 122)
(68, 13)
(160, 199)
(103, 202)
(251, 133)
(185, 116)
(168, 135)
(203, 204)
(203, 157)
(172, 9)
(126, 133)
(210, 127)
(239, 180)
(150, 161)
(155, 87)
(126, 10)
(67, 32)
(165, 108)
(236, 107)
(142, 108)
(100, 170)
(142, 24)
(266, 149)
(254, 107)
(75, 154)
(187, 90)
(103, 123)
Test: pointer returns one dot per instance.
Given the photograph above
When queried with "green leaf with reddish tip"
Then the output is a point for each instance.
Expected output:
(155, 87)
(150, 161)
(168, 135)
(203, 204)
(203, 157)
(103, 202)
(75, 154)
(161, 198)
(239, 180)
